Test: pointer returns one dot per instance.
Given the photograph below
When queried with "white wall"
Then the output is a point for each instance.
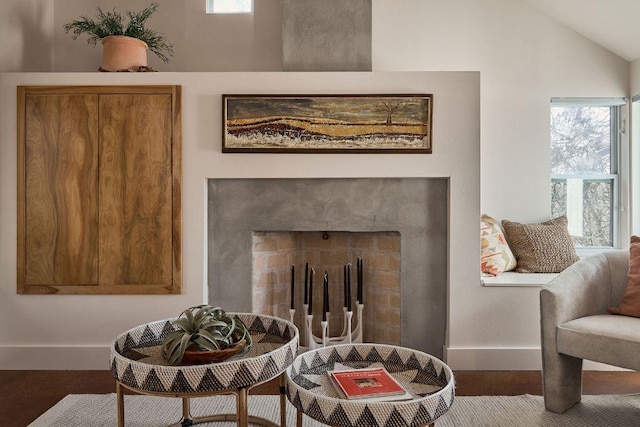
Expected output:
(73, 331)
(524, 59)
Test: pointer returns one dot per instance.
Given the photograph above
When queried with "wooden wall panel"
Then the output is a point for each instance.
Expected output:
(135, 189)
(99, 190)
(61, 159)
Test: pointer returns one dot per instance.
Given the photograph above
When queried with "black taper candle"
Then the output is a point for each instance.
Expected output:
(325, 296)
(306, 281)
(345, 285)
(349, 287)
(310, 310)
(293, 281)
(359, 279)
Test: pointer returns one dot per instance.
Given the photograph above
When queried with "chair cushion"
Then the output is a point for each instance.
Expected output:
(604, 338)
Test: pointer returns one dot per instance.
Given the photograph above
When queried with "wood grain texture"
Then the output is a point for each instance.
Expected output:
(99, 190)
(135, 190)
(61, 161)
(176, 165)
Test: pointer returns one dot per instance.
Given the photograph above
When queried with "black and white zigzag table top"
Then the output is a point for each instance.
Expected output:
(137, 362)
(428, 379)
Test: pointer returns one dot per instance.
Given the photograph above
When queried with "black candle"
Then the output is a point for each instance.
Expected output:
(306, 281)
(310, 311)
(293, 280)
(349, 287)
(359, 277)
(345, 286)
(325, 299)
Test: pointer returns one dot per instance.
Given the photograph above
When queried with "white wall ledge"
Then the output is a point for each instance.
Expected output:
(511, 278)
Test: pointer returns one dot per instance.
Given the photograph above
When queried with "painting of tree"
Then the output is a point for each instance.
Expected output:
(327, 123)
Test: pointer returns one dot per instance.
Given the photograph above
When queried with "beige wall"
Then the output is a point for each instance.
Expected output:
(26, 35)
(33, 38)
(245, 42)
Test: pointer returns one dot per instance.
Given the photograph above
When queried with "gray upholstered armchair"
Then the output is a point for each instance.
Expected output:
(575, 326)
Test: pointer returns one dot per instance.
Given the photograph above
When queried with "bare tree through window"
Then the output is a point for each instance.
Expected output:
(583, 182)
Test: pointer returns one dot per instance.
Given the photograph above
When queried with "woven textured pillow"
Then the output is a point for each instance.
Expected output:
(495, 256)
(541, 248)
(630, 304)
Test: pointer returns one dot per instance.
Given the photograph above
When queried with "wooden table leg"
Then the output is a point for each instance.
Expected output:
(120, 404)
(283, 402)
(242, 408)
(186, 409)
(298, 418)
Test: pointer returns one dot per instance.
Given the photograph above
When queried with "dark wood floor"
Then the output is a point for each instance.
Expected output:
(25, 395)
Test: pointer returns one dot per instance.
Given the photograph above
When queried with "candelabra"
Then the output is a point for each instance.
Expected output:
(347, 336)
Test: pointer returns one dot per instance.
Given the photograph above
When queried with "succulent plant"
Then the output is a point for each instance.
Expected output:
(206, 328)
(111, 23)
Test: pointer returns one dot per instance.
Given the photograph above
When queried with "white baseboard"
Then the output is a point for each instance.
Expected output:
(506, 359)
(54, 358)
(493, 359)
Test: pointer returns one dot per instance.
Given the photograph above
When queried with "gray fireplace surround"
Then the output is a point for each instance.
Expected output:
(417, 208)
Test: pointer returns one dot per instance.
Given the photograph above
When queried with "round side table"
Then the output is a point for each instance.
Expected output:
(428, 379)
(137, 364)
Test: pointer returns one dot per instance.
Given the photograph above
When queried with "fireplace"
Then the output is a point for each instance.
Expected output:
(413, 212)
(329, 252)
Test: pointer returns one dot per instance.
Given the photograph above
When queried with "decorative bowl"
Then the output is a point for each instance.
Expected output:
(199, 357)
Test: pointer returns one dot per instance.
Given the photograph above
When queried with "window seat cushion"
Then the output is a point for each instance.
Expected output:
(511, 278)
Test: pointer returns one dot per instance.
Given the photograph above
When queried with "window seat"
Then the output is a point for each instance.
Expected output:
(511, 278)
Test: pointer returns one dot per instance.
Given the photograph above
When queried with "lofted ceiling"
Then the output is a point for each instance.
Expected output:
(613, 24)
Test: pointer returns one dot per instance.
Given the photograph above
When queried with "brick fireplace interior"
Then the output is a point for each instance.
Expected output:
(274, 252)
(361, 216)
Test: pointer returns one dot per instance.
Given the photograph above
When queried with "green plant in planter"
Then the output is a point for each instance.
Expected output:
(111, 23)
(203, 328)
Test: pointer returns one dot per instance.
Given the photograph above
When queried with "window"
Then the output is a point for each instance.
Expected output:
(585, 168)
(229, 6)
(634, 166)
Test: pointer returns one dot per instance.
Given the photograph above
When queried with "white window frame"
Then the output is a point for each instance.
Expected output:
(619, 171)
(210, 9)
(634, 167)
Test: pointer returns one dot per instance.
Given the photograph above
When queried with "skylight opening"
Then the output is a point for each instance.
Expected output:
(229, 6)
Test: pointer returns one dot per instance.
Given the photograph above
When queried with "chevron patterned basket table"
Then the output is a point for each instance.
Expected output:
(137, 364)
(429, 380)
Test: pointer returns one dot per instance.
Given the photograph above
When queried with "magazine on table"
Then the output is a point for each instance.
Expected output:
(368, 383)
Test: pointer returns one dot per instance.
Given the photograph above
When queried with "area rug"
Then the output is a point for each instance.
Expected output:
(97, 410)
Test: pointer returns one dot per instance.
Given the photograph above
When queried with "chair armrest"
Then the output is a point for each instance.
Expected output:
(581, 290)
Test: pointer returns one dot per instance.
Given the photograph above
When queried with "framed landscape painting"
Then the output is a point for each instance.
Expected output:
(327, 123)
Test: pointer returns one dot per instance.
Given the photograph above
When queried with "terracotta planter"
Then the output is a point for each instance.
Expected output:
(122, 53)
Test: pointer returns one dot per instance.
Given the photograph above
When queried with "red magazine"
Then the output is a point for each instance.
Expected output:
(367, 383)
